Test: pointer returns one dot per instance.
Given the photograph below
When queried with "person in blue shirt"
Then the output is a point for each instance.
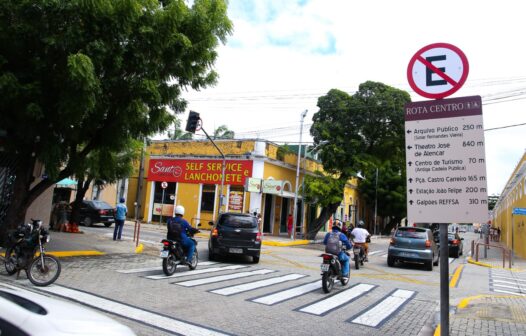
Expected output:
(178, 229)
(342, 256)
(120, 217)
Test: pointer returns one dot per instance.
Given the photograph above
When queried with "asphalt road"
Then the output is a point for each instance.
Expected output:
(281, 295)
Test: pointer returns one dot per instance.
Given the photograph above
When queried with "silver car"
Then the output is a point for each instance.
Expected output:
(413, 244)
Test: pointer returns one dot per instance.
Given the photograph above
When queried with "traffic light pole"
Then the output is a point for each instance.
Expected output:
(223, 167)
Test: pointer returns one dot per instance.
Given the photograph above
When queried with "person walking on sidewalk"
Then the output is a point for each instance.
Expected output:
(290, 221)
(120, 216)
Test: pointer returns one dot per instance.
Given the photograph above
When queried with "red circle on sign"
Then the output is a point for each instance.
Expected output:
(164, 185)
(457, 84)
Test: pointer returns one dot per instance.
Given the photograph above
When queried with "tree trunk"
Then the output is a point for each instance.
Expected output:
(315, 226)
(82, 188)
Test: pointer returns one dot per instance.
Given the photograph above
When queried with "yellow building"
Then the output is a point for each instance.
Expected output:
(513, 228)
(259, 178)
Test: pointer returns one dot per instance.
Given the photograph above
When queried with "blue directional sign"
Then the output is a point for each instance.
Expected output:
(519, 211)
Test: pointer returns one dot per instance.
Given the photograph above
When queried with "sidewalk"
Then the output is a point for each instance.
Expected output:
(478, 307)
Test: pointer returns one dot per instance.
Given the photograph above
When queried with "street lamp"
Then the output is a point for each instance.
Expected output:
(294, 219)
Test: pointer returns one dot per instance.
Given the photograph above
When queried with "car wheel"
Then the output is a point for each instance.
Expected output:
(88, 221)
(429, 265)
(211, 256)
(255, 259)
(108, 224)
(390, 261)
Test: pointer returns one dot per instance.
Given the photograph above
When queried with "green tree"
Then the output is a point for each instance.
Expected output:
(103, 167)
(178, 133)
(359, 133)
(78, 76)
(492, 201)
(222, 132)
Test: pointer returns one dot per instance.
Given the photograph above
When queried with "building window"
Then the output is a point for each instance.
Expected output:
(236, 198)
(208, 196)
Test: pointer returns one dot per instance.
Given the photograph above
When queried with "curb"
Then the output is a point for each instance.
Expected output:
(467, 300)
(291, 243)
(478, 263)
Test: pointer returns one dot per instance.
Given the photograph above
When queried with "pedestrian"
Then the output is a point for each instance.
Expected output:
(120, 216)
(290, 221)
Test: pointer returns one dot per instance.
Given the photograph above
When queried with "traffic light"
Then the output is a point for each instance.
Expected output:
(192, 122)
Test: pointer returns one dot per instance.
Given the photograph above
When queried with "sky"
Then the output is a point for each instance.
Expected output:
(284, 55)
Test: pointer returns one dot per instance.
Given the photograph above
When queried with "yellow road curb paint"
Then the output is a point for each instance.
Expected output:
(64, 254)
(291, 243)
(466, 301)
(139, 248)
(456, 276)
(471, 261)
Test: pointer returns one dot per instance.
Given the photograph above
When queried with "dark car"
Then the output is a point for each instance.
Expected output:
(235, 234)
(96, 212)
(413, 244)
(454, 242)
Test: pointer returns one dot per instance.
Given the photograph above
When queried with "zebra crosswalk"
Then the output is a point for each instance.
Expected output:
(507, 282)
(251, 278)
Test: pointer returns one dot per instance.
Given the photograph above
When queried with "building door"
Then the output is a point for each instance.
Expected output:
(284, 215)
(267, 216)
(163, 201)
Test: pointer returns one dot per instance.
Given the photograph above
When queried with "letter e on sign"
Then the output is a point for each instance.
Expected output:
(437, 70)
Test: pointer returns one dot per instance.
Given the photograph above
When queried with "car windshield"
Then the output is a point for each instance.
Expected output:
(101, 205)
(238, 221)
(411, 233)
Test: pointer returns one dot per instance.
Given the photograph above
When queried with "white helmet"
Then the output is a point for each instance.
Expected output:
(179, 210)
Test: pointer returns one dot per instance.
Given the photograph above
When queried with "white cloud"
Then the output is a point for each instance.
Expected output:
(264, 85)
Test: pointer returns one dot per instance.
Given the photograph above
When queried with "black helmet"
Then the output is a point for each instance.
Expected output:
(337, 225)
(361, 224)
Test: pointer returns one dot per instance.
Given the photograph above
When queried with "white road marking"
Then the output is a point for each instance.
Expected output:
(219, 278)
(195, 272)
(158, 268)
(375, 252)
(133, 313)
(518, 288)
(335, 301)
(508, 282)
(508, 292)
(451, 260)
(288, 294)
(257, 284)
(384, 308)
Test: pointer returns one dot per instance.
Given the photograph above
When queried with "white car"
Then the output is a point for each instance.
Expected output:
(25, 313)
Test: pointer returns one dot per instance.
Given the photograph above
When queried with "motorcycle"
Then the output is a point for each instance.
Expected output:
(359, 256)
(331, 269)
(21, 254)
(173, 255)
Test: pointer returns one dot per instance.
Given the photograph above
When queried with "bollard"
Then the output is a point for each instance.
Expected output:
(138, 233)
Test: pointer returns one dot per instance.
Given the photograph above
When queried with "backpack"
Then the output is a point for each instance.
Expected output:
(175, 228)
(334, 244)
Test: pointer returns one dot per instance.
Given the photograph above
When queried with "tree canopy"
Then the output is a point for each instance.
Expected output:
(78, 76)
(362, 132)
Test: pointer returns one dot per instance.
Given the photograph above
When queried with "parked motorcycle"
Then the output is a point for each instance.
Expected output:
(331, 270)
(173, 255)
(359, 256)
(21, 254)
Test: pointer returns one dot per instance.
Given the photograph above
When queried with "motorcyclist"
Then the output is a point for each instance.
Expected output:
(360, 235)
(179, 229)
(342, 256)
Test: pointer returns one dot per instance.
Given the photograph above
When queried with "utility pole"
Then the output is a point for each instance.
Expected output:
(294, 218)
(376, 201)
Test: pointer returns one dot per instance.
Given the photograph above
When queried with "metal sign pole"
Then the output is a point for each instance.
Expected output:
(444, 281)
(512, 237)
(162, 203)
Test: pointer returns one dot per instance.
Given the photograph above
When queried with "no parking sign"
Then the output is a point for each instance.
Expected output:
(437, 70)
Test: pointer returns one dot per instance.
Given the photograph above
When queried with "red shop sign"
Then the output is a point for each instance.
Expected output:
(199, 171)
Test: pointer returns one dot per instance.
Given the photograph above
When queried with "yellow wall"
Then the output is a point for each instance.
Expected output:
(513, 196)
